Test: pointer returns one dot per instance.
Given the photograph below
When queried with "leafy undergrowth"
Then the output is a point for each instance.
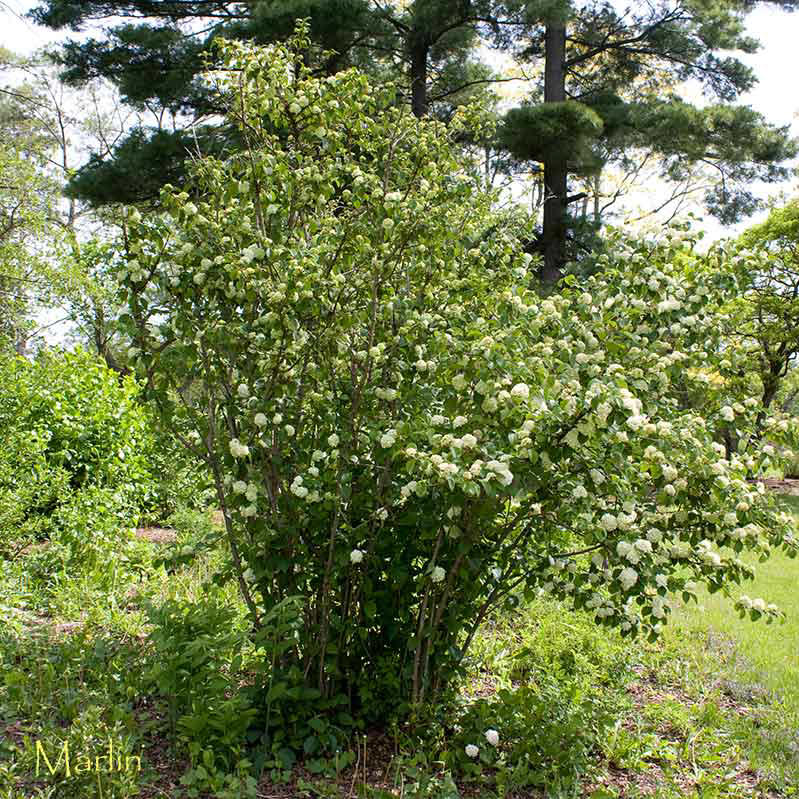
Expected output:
(159, 663)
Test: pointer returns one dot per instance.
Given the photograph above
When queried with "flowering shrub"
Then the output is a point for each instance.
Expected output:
(401, 431)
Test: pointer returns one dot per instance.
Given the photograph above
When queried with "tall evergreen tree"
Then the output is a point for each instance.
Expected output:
(605, 69)
(158, 49)
(608, 84)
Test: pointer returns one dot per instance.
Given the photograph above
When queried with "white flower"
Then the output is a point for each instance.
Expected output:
(472, 750)
(260, 419)
(277, 418)
(239, 487)
(628, 578)
(579, 492)
(492, 736)
(459, 421)
(438, 574)
(289, 430)
(249, 511)
(759, 604)
(636, 422)
(238, 450)
(520, 391)
(661, 580)
(727, 413)
(490, 404)
(243, 390)
(388, 438)
(252, 492)
(597, 476)
(669, 472)
(333, 440)
(459, 382)
(608, 522)
(468, 441)
(438, 420)
(658, 607)
(356, 556)
(642, 545)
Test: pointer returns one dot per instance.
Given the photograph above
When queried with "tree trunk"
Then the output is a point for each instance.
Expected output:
(597, 188)
(419, 102)
(555, 167)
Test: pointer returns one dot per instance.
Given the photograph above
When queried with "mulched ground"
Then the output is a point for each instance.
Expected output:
(156, 535)
(787, 485)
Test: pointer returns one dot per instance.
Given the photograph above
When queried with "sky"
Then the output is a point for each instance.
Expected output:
(776, 94)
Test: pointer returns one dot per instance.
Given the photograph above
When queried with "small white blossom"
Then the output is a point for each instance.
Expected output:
(472, 750)
(608, 522)
(492, 736)
(238, 450)
(356, 556)
(520, 391)
(438, 574)
(628, 578)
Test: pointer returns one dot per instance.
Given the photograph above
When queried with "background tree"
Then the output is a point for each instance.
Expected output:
(769, 311)
(429, 46)
(52, 127)
(610, 86)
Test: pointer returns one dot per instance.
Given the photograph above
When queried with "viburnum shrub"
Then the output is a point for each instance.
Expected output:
(401, 431)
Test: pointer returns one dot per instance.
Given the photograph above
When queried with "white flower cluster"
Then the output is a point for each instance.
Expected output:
(237, 449)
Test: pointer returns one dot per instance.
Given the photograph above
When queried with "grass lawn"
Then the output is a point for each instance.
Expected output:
(767, 653)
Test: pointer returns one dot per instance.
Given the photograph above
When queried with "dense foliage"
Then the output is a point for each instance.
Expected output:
(72, 463)
(401, 432)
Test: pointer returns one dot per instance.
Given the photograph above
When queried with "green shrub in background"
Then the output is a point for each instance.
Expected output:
(73, 465)
(177, 482)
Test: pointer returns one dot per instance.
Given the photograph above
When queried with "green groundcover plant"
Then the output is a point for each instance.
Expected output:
(401, 431)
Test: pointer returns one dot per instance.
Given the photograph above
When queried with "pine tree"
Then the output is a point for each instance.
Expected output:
(607, 80)
(156, 54)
